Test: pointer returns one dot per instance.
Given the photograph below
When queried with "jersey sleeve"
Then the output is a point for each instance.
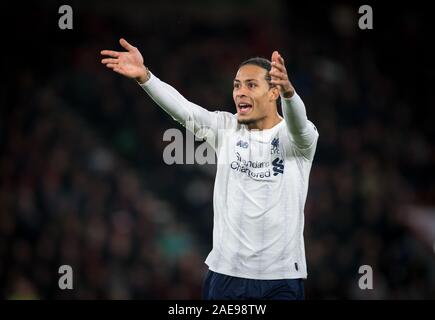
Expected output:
(302, 133)
(201, 122)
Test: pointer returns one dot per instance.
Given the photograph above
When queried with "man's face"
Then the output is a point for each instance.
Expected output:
(253, 97)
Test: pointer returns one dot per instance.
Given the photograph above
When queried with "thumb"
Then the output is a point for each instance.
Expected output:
(125, 44)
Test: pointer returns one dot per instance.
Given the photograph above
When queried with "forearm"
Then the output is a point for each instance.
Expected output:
(295, 116)
(171, 101)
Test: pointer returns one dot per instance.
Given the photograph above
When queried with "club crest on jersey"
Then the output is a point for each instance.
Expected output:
(242, 144)
(274, 146)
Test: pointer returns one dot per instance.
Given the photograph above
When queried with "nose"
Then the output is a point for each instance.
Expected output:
(240, 92)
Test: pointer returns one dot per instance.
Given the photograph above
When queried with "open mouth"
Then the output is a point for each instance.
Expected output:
(244, 108)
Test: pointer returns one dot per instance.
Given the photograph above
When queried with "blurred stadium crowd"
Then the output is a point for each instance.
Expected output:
(83, 182)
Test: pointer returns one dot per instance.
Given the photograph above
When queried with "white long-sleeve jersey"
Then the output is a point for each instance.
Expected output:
(260, 188)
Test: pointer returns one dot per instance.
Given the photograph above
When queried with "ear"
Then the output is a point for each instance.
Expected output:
(274, 93)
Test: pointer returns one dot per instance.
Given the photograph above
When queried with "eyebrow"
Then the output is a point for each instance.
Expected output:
(247, 80)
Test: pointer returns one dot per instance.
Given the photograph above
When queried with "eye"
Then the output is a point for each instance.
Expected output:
(251, 85)
(236, 85)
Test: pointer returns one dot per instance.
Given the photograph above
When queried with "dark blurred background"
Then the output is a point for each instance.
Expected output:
(83, 181)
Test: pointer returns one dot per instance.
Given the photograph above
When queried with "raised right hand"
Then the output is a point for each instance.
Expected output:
(129, 64)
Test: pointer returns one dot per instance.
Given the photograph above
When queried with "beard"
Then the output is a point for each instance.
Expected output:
(251, 120)
(246, 121)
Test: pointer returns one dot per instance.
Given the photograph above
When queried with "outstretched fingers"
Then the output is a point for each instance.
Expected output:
(278, 74)
(109, 60)
(115, 67)
(280, 82)
(275, 56)
(278, 70)
(118, 70)
(278, 66)
(110, 53)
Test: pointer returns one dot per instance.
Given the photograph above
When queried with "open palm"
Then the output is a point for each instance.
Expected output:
(129, 63)
(279, 76)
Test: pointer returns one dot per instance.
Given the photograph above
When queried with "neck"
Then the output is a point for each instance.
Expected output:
(265, 123)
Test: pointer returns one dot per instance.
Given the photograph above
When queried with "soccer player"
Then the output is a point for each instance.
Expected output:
(259, 197)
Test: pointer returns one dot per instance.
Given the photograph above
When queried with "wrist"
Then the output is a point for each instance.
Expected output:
(144, 77)
(289, 93)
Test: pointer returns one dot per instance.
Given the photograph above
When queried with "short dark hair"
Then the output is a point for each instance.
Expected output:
(266, 65)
